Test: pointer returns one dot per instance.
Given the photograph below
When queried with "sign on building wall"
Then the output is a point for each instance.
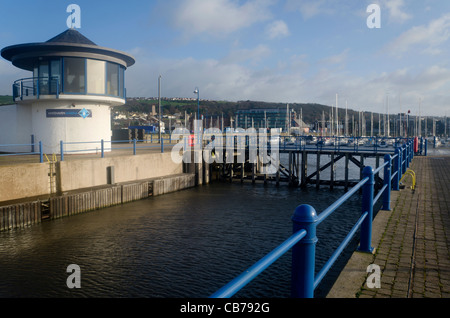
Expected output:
(69, 113)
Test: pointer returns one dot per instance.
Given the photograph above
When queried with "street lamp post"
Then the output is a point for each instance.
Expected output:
(159, 103)
(197, 91)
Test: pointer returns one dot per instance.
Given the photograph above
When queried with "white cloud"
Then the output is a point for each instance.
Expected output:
(277, 29)
(293, 80)
(9, 74)
(254, 56)
(218, 17)
(336, 59)
(425, 38)
(396, 11)
(310, 8)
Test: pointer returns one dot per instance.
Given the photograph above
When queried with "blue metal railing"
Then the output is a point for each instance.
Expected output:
(305, 221)
(134, 146)
(36, 86)
(5, 153)
(357, 144)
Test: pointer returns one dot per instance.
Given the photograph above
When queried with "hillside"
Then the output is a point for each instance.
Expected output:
(311, 112)
(6, 100)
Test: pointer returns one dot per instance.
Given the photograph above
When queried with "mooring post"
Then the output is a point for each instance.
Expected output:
(134, 147)
(304, 252)
(387, 182)
(367, 206)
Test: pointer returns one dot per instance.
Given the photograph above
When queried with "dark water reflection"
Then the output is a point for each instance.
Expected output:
(185, 244)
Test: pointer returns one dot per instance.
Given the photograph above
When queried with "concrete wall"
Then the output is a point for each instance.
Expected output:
(20, 181)
(79, 174)
(31, 180)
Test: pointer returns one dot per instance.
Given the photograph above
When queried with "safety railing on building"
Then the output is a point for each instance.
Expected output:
(36, 86)
(305, 220)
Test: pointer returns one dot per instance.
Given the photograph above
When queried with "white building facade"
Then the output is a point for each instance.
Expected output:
(69, 97)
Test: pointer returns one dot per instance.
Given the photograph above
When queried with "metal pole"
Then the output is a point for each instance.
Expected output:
(198, 104)
(304, 252)
(41, 153)
(387, 182)
(367, 206)
(159, 103)
(103, 148)
(32, 143)
(61, 147)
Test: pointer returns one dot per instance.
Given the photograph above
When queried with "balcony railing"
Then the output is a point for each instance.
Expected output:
(36, 86)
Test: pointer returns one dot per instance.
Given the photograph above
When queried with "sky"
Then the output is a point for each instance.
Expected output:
(284, 51)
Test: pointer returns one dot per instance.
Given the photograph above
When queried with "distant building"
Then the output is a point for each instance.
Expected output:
(283, 118)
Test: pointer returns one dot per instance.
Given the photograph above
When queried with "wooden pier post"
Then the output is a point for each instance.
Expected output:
(318, 170)
(346, 170)
(304, 168)
(332, 172)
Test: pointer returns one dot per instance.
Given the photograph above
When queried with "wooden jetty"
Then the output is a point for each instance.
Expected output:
(295, 169)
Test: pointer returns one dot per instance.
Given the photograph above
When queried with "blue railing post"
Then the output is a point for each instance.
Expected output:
(162, 145)
(426, 146)
(304, 252)
(32, 143)
(387, 182)
(61, 148)
(41, 153)
(103, 148)
(134, 146)
(397, 168)
(403, 159)
(367, 206)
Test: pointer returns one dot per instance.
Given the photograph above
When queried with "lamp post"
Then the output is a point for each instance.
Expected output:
(159, 103)
(197, 91)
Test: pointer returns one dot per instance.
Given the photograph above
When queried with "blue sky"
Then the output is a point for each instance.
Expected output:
(289, 51)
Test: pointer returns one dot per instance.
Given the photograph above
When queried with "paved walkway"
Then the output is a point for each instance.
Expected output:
(412, 240)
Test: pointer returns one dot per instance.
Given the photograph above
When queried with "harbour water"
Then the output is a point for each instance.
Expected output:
(185, 244)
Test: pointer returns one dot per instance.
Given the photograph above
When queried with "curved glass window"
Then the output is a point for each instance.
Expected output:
(112, 75)
(74, 75)
(95, 77)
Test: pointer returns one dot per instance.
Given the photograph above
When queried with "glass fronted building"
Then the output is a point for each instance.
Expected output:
(266, 118)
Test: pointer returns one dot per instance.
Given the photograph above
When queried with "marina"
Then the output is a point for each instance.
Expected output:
(104, 195)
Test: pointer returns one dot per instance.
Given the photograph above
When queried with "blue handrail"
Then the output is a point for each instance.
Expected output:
(305, 221)
(36, 86)
(32, 152)
(239, 282)
(102, 142)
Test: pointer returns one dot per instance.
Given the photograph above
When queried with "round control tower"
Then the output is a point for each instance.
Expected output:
(74, 85)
